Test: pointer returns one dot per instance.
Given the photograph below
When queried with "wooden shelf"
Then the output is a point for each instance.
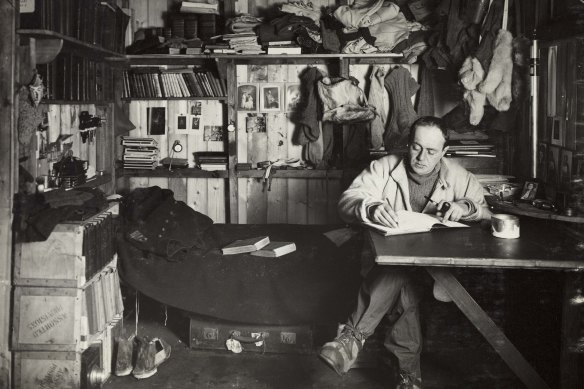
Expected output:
(184, 59)
(96, 181)
(526, 209)
(73, 102)
(175, 173)
(52, 43)
(292, 173)
(222, 98)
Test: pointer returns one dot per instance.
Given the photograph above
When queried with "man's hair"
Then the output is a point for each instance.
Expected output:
(429, 121)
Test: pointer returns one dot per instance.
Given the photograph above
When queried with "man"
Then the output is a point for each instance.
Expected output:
(388, 185)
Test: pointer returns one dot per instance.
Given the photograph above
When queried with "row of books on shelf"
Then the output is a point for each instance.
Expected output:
(101, 23)
(103, 301)
(173, 83)
(70, 77)
(456, 148)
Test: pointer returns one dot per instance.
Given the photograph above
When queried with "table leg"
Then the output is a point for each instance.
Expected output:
(496, 338)
(570, 330)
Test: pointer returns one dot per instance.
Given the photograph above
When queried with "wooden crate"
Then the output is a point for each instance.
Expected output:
(47, 319)
(65, 258)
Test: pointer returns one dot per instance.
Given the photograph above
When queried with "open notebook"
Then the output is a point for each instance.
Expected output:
(412, 222)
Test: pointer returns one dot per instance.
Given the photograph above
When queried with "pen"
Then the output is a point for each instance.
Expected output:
(445, 206)
(388, 203)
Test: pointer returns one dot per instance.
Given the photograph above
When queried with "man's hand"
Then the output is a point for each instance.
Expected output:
(383, 214)
(454, 213)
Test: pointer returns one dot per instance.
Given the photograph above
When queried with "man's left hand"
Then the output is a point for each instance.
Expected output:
(454, 213)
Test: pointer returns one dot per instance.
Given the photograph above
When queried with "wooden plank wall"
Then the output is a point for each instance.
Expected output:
(8, 176)
(206, 195)
(292, 200)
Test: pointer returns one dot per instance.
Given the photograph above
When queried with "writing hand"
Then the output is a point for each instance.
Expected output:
(454, 212)
(384, 215)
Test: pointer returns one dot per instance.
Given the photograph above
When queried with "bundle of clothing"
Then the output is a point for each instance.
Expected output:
(162, 227)
(366, 26)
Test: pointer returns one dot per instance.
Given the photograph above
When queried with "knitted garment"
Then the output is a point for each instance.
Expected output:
(421, 186)
(376, 92)
(309, 109)
(497, 83)
(401, 87)
(358, 14)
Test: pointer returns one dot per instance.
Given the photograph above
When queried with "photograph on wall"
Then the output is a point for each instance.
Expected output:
(579, 167)
(258, 73)
(553, 161)
(557, 132)
(292, 96)
(270, 98)
(542, 161)
(255, 122)
(565, 168)
(247, 98)
(181, 122)
(195, 122)
(156, 120)
(213, 133)
(529, 191)
(196, 108)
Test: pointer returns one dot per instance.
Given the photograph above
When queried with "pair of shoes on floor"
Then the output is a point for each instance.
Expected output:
(342, 352)
(140, 356)
(409, 380)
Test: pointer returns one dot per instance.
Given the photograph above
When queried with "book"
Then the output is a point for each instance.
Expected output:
(246, 245)
(413, 222)
(275, 249)
(285, 49)
(211, 167)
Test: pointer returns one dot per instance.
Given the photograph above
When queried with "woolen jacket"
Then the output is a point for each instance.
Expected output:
(386, 180)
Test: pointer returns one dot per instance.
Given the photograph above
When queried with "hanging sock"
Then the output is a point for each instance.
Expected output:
(476, 103)
(401, 86)
(376, 92)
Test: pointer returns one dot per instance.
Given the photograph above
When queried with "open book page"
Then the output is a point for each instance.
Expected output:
(411, 222)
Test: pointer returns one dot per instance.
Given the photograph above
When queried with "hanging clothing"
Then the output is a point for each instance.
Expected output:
(400, 86)
(343, 101)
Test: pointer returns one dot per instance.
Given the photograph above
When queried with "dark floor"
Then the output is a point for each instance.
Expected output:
(188, 368)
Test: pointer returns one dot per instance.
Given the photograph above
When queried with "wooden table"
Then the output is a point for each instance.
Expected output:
(541, 246)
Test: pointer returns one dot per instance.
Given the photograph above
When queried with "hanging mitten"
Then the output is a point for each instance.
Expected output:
(500, 73)
(476, 102)
(471, 73)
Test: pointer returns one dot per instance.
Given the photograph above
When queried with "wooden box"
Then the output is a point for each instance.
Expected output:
(47, 319)
(72, 254)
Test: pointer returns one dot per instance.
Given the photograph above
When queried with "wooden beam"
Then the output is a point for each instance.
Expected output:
(496, 338)
(8, 178)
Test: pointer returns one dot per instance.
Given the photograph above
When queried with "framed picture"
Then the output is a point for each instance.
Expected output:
(196, 108)
(195, 122)
(553, 161)
(565, 168)
(255, 123)
(529, 191)
(270, 98)
(156, 117)
(181, 122)
(557, 132)
(292, 96)
(542, 161)
(213, 133)
(258, 73)
(247, 98)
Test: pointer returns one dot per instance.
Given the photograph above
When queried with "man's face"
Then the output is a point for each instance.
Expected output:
(427, 149)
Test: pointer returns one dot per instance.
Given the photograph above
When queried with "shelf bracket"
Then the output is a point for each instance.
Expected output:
(48, 50)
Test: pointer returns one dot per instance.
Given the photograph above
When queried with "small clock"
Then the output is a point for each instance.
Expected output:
(177, 147)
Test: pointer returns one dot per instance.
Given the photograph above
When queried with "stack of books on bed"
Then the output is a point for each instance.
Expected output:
(260, 246)
(139, 153)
